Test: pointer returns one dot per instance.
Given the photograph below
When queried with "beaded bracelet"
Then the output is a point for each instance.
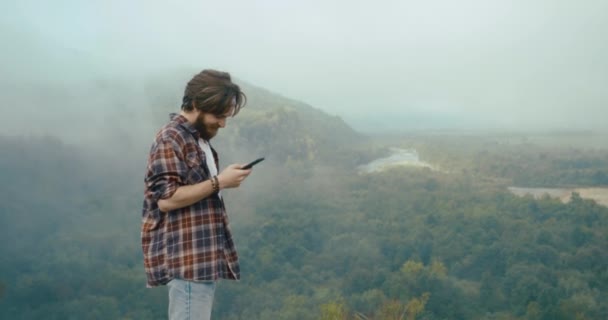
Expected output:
(212, 183)
(215, 183)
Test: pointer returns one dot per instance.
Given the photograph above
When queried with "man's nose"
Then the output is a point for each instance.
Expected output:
(222, 123)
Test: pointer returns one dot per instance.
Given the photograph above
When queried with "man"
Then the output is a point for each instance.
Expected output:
(186, 240)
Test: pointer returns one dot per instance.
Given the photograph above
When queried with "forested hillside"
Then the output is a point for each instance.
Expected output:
(286, 131)
(317, 239)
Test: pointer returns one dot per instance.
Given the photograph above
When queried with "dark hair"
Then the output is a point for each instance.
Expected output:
(212, 91)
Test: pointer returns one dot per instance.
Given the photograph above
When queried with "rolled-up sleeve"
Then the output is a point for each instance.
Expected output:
(166, 169)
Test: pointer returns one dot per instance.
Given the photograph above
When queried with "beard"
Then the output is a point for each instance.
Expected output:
(206, 132)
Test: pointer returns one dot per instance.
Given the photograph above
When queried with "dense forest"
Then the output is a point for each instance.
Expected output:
(317, 238)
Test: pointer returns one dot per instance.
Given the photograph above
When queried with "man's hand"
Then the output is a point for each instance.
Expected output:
(232, 176)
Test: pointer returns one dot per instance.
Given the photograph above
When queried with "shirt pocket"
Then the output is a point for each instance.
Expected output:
(195, 172)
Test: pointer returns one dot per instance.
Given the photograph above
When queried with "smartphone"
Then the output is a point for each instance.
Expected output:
(252, 163)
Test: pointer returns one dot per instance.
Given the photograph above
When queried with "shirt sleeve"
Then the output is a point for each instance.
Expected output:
(166, 169)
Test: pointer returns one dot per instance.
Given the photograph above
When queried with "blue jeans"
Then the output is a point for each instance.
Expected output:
(190, 300)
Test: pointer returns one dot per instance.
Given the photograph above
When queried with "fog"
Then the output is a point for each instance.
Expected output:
(380, 65)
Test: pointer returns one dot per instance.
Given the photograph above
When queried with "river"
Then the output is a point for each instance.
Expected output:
(398, 157)
(600, 195)
(410, 158)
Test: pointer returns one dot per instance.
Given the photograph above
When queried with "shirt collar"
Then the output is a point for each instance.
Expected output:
(183, 122)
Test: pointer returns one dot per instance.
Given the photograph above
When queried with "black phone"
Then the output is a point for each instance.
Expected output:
(252, 163)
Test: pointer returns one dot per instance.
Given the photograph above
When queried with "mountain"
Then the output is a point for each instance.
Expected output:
(270, 125)
(288, 130)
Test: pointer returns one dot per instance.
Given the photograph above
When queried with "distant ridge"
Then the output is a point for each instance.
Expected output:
(287, 128)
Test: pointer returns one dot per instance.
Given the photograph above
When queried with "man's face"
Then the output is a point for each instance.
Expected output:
(209, 124)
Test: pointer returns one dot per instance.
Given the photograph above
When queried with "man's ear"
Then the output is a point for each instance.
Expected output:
(196, 111)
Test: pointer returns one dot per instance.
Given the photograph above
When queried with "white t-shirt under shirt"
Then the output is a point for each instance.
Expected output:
(209, 157)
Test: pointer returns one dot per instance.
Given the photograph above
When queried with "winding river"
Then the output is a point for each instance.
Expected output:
(410, 158)
(600, 195)
(398, 157)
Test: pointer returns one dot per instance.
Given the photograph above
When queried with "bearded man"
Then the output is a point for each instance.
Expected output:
(186, 240)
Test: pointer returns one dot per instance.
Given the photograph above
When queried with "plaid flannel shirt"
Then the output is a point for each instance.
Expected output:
(192, 243)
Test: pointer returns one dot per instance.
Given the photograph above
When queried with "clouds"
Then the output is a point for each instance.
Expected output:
(498, 63)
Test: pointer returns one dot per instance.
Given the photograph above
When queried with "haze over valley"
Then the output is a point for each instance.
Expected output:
(427, 160)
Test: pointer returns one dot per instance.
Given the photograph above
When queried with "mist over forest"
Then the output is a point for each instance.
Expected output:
(387, 64)
(318, 238)
(478, 98)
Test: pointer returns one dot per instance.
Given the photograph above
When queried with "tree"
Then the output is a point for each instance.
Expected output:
(416, 306)
(334, 310)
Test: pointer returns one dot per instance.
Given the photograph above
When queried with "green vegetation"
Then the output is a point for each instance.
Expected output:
(317, 240)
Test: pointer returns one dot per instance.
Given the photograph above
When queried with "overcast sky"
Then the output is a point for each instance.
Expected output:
(510, 63)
